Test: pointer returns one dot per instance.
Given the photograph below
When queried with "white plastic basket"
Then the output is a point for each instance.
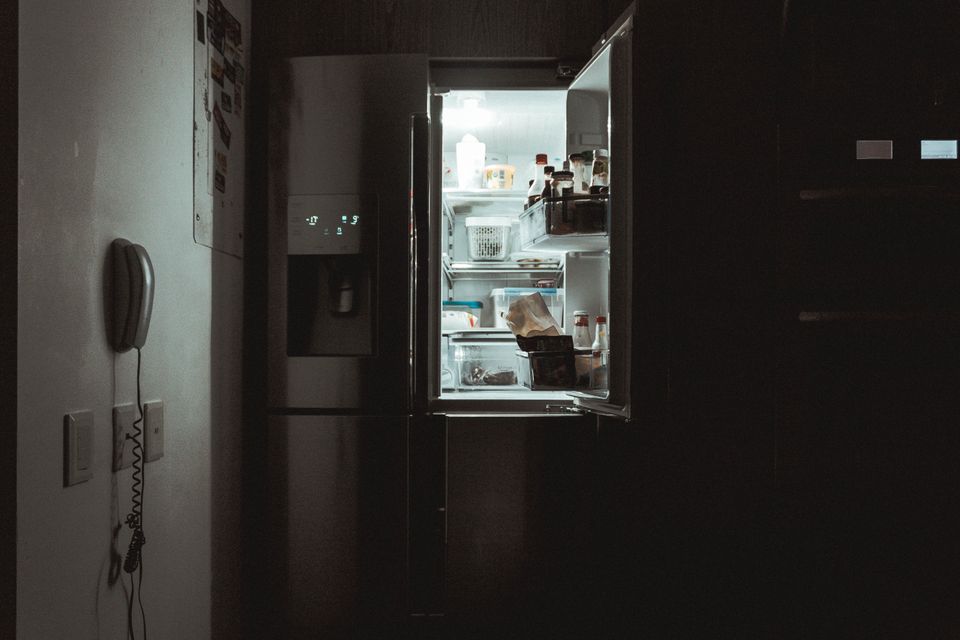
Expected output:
(488, 238)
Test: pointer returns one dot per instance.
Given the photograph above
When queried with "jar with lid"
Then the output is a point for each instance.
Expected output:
(601, 169)
(562, 183)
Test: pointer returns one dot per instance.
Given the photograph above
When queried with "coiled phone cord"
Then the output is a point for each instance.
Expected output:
(134, 559)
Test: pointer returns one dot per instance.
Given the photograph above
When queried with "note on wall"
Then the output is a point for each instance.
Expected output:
(220, 77)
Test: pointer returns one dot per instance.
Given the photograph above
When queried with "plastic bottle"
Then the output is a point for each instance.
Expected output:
(470, 155)
(581, 330)
(601, 355)
(533, 193)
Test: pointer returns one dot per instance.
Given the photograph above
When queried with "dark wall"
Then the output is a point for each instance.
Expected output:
(8, 319)
(801, 482)
(465, 28)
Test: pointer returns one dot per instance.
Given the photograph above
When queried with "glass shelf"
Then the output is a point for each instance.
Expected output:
(510, 270)
(488, 202)
(484, 194)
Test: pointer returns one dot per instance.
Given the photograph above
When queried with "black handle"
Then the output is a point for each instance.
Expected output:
(419, 256)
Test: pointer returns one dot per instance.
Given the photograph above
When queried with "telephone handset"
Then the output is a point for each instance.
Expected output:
(133, 284)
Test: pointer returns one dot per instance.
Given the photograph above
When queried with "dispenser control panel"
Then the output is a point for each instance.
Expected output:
(324, 225)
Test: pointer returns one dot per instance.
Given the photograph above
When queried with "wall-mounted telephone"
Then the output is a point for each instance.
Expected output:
(133, 284)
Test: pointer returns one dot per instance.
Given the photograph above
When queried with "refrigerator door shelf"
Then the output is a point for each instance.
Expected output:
(570, 223)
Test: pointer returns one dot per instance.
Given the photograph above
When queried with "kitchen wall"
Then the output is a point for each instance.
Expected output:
(105, 151)
(8, 318)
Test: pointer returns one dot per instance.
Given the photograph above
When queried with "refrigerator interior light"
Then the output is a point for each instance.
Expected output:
(467, 116)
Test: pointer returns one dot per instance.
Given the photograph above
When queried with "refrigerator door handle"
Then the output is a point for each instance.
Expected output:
(419, 258)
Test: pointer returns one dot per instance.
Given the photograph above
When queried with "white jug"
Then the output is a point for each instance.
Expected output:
(470, 157)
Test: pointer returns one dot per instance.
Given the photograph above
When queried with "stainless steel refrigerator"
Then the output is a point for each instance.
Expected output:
(375, 402)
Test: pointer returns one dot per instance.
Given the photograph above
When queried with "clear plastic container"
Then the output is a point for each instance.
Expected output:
(481, 363)
(470, 306)
(553, 370)
(501, 299)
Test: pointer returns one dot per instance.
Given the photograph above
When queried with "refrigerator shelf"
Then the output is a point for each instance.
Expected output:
(569, 223)
(484, 194)
(486, 202)
(508, 270)
(478, 332)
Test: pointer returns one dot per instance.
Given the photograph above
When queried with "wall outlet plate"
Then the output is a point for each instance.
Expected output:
(77, 447)
(124, 416)
(153, 430)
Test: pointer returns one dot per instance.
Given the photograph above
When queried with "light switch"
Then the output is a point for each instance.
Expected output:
(77, 447)
(153, 430)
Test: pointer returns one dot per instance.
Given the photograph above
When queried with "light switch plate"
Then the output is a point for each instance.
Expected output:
(123, 418)
(153, 430)
(77, 447)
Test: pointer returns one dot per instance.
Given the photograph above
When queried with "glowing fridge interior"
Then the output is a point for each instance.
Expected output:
(533, 189)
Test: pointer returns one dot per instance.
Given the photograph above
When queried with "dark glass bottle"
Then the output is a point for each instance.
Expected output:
(547, 182)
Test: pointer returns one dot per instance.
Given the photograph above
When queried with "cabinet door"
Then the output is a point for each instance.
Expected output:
(520, 494)
(868, 483)
(337, 526)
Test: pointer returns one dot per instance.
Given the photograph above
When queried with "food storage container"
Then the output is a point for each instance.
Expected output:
(498, 176)
(470, 306)
(501, 299)
(553, 370)
(484, 362)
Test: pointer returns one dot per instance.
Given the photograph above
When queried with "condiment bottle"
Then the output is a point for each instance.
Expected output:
(576, 166)
(536, 187)
(587, 169)
(547, 191)
(581, 330)
(563, 186)
(601, 354)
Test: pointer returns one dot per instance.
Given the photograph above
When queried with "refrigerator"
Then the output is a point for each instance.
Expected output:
(375, 402)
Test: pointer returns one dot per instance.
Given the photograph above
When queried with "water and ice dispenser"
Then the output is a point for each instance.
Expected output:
(331, 265)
